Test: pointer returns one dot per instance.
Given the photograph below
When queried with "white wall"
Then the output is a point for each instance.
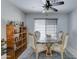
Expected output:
(62, 21)
(9, 12)
(72, 43)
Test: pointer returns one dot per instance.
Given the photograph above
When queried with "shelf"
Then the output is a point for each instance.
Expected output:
(24, 38)
(20, 46)
(23, 33)
(20, 40)
(19, 33)
(16, 40)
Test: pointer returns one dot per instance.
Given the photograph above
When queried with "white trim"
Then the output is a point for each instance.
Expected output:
(4, 56)
(72, 51)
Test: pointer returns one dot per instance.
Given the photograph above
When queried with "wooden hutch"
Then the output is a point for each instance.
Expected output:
(16, 40)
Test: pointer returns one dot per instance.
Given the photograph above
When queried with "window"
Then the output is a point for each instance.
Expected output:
(46, 26)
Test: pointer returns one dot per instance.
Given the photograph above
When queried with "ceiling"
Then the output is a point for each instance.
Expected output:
(35, 6)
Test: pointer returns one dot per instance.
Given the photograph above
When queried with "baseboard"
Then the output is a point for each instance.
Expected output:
(72, 51)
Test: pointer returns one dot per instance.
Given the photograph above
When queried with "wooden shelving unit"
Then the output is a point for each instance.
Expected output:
(16, 40)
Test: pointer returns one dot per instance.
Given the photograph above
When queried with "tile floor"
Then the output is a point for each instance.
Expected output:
(54, 56)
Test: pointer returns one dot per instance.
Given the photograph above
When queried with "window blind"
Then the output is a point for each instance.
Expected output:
(46, 26)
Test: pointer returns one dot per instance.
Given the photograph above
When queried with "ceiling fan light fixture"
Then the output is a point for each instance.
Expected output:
(44, 1)
(48, 5)
(43, 11)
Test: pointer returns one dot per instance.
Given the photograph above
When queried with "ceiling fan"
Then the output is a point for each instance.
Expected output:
(48, 5)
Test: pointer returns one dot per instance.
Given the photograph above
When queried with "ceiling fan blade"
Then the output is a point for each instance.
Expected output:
(58, 3)
(54, 9)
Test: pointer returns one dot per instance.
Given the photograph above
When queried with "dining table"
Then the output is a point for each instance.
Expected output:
(48, 42)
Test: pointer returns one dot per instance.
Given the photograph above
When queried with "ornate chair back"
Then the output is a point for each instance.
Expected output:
(37, 35)
(60, 35)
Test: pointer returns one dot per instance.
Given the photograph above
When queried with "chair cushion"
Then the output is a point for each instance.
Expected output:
(40, 47)
(57, 48)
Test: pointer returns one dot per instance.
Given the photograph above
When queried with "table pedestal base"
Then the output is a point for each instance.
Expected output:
(48, 52)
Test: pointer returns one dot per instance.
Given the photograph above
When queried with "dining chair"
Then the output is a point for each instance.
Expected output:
(60, 34)
(37, 47)
(60, 47)
(59, 37)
